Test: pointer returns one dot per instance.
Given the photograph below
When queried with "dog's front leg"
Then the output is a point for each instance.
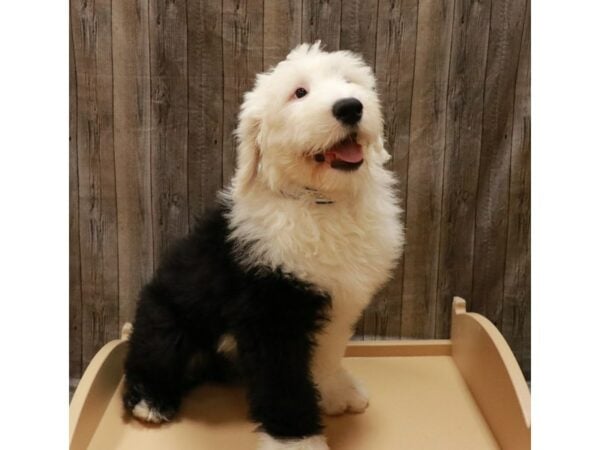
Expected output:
(339, 391)
(281, 393)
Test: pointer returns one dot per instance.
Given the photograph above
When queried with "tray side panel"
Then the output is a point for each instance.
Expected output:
(492, 374)
(94, 392)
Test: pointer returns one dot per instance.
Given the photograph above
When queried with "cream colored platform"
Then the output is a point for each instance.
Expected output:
(466, 393)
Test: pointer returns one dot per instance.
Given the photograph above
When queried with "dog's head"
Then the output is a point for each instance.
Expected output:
(314, 121)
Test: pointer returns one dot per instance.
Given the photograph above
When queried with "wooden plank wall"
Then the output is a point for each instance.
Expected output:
(155, 88)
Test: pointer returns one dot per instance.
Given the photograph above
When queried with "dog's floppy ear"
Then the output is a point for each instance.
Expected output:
(248, 150)
(381, 153)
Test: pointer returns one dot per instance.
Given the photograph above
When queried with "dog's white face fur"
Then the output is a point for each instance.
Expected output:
(280, 133)
(279, 136)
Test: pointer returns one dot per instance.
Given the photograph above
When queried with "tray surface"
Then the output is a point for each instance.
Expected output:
(417, 402)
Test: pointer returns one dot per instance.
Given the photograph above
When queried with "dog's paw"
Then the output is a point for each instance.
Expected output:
(341, 393)
(146, 413)
(267, 442)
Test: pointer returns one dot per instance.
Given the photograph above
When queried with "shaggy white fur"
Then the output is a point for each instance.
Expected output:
(347, 248)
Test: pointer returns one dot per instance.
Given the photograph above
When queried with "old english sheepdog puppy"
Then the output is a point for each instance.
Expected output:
(269, 286)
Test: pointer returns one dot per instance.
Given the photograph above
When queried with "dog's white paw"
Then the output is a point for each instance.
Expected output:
(267, 442)
(341, 393)
(145, 413)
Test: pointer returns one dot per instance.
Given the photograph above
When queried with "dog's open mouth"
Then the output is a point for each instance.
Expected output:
(344, 155)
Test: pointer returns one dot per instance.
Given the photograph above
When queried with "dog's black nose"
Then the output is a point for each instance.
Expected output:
(348, 110)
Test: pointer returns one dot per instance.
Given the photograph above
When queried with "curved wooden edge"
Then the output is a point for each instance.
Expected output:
(396, 347)
(94, 391)
(493, 375)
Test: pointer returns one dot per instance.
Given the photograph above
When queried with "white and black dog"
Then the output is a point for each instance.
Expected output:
(270, 285)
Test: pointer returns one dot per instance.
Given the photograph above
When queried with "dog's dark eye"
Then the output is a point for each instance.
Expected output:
(300, 92)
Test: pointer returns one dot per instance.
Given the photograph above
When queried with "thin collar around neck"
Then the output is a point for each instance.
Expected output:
(306, 193)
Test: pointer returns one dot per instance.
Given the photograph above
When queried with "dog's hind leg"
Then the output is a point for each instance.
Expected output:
(154, 381)
(155, 365)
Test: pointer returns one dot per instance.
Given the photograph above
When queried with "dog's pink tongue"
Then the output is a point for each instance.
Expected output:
(350, 152)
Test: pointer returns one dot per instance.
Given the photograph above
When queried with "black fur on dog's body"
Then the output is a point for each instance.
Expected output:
(200, 293)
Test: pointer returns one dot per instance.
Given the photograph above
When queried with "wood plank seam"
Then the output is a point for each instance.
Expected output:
(436, 297)
(76, 371)
(112, 86)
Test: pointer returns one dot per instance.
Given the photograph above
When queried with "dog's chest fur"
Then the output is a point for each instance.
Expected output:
(346, 249)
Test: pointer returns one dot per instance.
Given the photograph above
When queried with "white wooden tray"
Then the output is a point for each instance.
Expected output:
(465, 393)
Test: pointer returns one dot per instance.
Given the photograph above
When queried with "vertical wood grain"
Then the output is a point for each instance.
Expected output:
(96, 174)
(155, 90)
(394, 66)
(131, 78)
(359, 28)
(516, 308)
(282, 29)
(205, 105)
(169, 122)
(74, 249)
(242, 60)
(425, 167)
(507, 19)
(321, 19)
(464, 112)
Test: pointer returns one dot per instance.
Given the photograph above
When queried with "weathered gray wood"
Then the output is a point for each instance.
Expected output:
(425, 167)
(464, 111)
(131, 78)
(176, 76)
(283, 29)
(169, 122)
(74, 251)
(395, 60)
(321, 19)
(507, 19)
(96, 174)
(359, 28)
(242, 60)
(516, 310)
(205, 105)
